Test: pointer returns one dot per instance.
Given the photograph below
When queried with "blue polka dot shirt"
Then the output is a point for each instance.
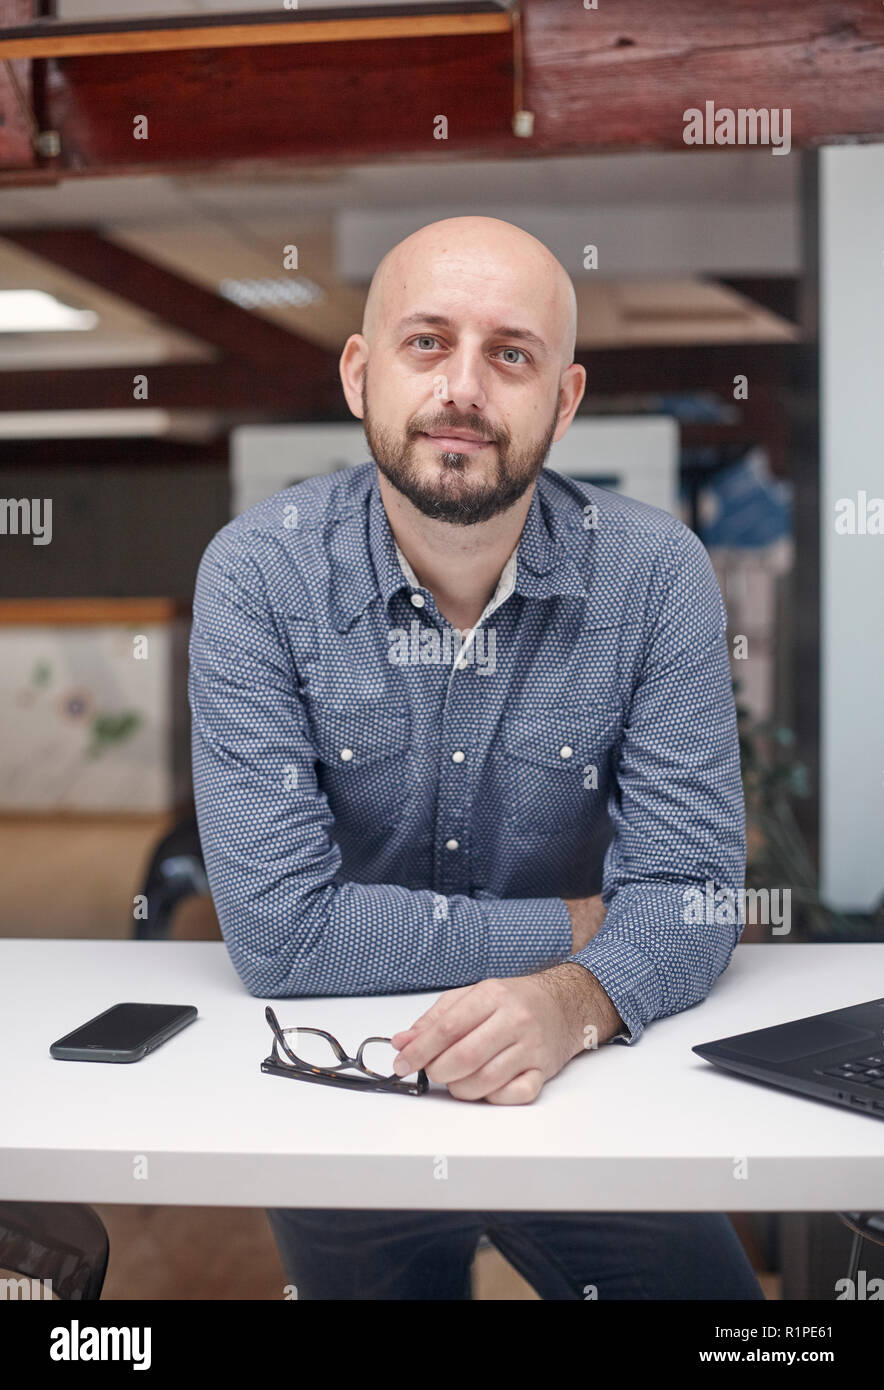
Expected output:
(386, 805)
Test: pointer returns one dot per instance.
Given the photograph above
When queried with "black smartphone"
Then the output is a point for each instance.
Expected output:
(123, 1033)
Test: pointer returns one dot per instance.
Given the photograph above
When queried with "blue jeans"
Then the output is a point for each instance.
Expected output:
(563, 1255)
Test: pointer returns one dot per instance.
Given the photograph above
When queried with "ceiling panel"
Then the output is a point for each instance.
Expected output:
(123, 333)
(744, 179)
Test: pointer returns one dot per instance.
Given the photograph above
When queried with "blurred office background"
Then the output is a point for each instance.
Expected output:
(171, 313)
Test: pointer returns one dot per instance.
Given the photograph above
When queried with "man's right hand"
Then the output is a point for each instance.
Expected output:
(587, 916)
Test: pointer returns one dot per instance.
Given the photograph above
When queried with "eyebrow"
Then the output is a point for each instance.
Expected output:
(521, 335)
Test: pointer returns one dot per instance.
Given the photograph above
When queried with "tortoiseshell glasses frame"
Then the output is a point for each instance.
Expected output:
(296, 1067)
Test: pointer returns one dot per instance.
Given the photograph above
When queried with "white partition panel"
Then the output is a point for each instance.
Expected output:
(852, 553)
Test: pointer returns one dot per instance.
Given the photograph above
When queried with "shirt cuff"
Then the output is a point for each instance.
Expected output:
(630, 982)
(524, 934)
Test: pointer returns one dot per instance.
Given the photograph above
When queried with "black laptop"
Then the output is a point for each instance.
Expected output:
(837, 1057)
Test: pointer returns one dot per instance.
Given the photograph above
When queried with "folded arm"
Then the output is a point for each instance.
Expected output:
(290, 925)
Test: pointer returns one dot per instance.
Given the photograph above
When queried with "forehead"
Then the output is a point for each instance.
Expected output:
(476, 288)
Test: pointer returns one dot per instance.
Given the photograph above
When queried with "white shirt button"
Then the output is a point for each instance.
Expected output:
(458, 757)
(566, 752)
(452, 844)
(418, 600)
(346, 754)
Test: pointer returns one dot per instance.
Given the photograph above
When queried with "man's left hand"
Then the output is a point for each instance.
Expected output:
(500, 1040)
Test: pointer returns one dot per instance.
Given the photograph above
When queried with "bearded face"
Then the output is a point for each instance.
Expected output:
(461, 486)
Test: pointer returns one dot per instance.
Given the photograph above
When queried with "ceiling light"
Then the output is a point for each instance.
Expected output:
(104, 424)
(285, 291)
(35, 311)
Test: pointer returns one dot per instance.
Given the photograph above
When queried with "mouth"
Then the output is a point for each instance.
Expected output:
(458, 442)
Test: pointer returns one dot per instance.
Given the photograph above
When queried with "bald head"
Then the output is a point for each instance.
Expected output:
(476, 257)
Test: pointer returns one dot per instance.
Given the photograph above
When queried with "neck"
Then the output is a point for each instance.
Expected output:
(460, 565)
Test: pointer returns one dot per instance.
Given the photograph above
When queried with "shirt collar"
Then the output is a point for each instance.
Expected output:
(540, 566)
(505, 584)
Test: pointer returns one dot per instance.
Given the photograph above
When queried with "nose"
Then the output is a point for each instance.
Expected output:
(463, 383)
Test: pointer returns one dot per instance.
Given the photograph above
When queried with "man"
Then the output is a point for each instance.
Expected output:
(427, 692)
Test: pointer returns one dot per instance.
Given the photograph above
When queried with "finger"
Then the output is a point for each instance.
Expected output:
(496, 1073)
(520, 1091)
(473, 1007)
(471, 1055)
(400, 1040)
(443, 1003)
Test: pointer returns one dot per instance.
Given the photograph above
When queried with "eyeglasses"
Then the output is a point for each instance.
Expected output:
(321, 1058)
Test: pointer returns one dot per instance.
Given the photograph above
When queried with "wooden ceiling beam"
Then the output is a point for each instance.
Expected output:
(351, 100)
(50, 38)
(227, 385)
(219, 386)
(177, 301)
(709, 367)
(622, 76)
(617, 78)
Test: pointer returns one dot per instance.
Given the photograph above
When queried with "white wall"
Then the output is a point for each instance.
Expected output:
(852, 566)
(694, 236)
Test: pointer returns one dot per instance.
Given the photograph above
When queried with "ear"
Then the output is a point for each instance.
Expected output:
(571, 389)
(354, 360)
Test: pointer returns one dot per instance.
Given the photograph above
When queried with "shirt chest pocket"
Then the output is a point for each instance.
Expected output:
(362, 762)
(554, 764)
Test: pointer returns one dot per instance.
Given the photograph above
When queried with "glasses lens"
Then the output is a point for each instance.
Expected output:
(378, 1057)
(314, 1050)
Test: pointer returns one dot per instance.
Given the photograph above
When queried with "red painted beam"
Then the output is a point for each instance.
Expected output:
(616, 78)
(345, 101)
(235, 386)
(621, 76)
(217, 386)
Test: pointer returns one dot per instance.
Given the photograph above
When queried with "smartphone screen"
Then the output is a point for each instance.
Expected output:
(126, 1027)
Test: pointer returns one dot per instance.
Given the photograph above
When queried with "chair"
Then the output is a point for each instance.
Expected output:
(865, 1226)
(62, 1242)
(176, 871)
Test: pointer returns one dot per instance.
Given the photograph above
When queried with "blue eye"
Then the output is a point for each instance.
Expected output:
(428, 342)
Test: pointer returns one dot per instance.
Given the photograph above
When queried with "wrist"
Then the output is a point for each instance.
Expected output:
(591, 1016)
(587, 916)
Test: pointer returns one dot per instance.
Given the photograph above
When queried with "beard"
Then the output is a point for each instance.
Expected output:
(451, 495)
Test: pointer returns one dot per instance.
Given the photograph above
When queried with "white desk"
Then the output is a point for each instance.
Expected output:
(648, 1127)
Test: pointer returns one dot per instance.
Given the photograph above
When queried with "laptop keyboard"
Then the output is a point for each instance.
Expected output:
(868, 1071)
